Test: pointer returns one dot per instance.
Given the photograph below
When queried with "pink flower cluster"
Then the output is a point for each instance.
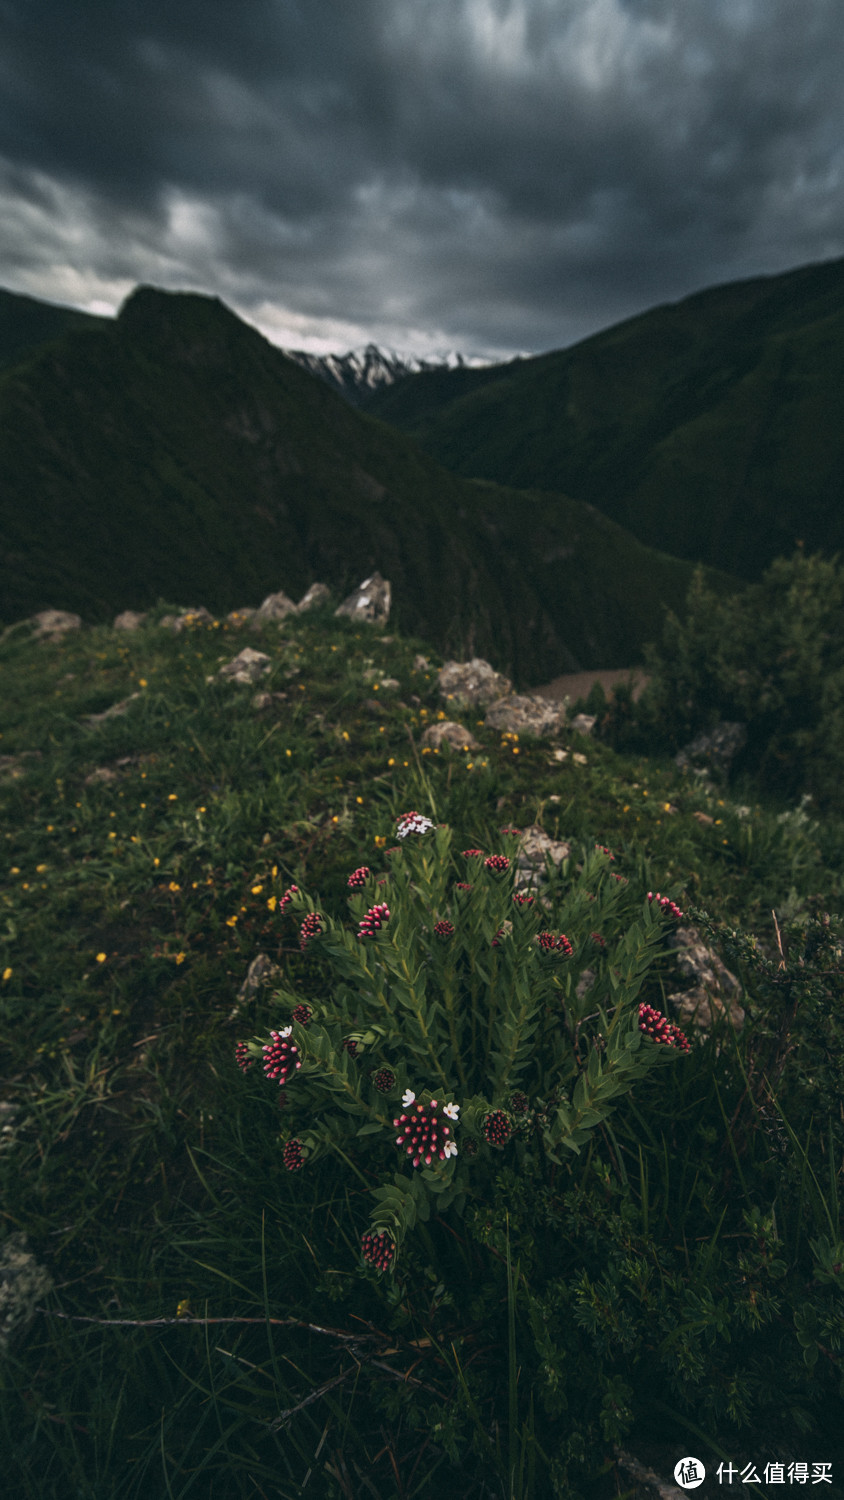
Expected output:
(497, 1128)
(598, 940)
(473, 853)
(358, 878)
(660, 1029)
(444, 929)
(383, 1079)
(551, 944)
(378, 1250)
(602, 848)
(667, 906)
(280, 1056)
(522, 900)
(302, 1014)
(374, 920)
(498, 863)
(287, 898)
(292, 1155)
(421, 1133)
(241, 1056)
(311, 927)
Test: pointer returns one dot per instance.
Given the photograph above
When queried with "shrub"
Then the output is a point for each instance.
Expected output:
(457, 1030)
(772, 658)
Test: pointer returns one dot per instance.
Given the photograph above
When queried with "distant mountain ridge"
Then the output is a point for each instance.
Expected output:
(712, 427)
(360, 372)
(26, 324)
(174, 453)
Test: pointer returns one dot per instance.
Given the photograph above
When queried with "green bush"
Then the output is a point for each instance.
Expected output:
(771, 658)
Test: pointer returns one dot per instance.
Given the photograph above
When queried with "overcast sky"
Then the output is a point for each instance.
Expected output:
(495, 176)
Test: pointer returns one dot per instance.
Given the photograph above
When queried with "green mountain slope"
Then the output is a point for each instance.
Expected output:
(174, 453)
(27, 324)
(712, 428)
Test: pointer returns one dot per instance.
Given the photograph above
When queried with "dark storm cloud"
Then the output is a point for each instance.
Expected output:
(495, 174)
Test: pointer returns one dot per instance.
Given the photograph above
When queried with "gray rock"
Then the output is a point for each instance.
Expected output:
(116, 711)
(536, 846)
(247, 666)
(262, 970)
(53, 623)
(370, 602)
(186, 618)
(128, 620)
(318, 593)
(266, 700)
(716, 749)
(22, 1285)
(450, 733)
(526, 714)
(275, 607)
(471, 684)
(713, 992)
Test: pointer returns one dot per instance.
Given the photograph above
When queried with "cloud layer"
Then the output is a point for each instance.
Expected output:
(491, 175)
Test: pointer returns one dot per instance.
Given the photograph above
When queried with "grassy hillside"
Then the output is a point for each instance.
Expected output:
(712, 428)
(175, 453)
(26, 324)
(211, 1327)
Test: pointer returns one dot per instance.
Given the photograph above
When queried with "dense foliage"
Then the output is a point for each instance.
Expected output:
(771, 659)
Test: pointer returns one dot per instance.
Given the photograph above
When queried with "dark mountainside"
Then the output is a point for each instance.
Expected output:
(27, 324)
(712, 428)
(173, 453)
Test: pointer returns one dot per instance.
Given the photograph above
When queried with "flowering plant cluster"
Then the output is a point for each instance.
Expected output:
(456, 1029)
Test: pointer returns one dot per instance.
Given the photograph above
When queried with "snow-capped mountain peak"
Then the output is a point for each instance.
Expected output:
(360, 371)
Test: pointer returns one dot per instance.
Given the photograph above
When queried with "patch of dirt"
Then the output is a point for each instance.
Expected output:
(578, 684)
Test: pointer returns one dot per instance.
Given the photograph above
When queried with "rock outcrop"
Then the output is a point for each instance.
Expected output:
(715, 750)
(476, 685)
(713, 992)
(369, 602)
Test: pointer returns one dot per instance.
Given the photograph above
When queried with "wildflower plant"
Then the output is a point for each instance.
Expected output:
(456, 1030)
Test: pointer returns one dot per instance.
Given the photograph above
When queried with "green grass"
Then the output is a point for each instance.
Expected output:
(670, 1280)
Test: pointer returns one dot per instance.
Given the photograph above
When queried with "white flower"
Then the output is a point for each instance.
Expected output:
(285, 1031)
(413, 823)
(408, 1098)
(451, 1149)
(452, 1110)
